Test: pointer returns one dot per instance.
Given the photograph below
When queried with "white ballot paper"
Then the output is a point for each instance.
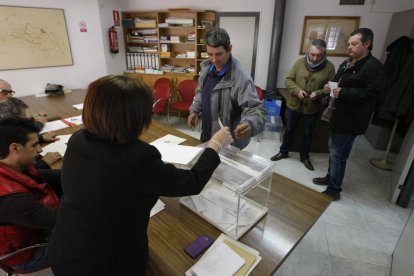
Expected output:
(54, 125)
(221, 261)
(332, 85)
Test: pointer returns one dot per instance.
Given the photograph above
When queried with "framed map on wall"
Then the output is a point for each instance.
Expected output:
(33, 37)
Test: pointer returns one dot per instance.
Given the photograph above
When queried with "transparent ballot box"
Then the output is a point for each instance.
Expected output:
(235, 198)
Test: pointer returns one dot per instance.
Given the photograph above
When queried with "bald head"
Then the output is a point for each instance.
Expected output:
(5, 89)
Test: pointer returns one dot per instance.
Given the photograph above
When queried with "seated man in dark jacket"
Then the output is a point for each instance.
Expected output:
(27, 203)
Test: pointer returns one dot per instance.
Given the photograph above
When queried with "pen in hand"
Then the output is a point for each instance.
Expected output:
(221, 126)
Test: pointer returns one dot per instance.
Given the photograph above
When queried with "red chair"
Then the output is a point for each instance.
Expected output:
(162, 94)
(161, 81)
(186, 90)
(259, 93)
(9, 270)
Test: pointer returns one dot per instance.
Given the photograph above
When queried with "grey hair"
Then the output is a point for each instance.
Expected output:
(217, 37)
(319, 43)
(11, 107)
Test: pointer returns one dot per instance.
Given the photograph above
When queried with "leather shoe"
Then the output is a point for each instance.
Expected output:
(278, 156)
(308, 164)
(323, 181)
(334, 195)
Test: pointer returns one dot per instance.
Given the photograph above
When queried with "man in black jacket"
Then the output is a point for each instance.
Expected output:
(361, 84)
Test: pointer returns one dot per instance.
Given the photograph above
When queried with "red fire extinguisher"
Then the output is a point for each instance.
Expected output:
(113, 39)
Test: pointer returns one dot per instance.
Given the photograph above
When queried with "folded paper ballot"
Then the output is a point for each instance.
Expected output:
(229, 253)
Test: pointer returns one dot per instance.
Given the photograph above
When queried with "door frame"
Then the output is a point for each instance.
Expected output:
(256, 16)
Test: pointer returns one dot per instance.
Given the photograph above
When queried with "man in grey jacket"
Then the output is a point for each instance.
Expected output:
(226, 94)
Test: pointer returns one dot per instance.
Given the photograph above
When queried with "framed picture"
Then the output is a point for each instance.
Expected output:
(335, 30)
(33, 37)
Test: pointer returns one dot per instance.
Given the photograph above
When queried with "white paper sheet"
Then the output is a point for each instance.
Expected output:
(78, 106)
(177, 154)
(53, 147)
(332, 85)
(76, 120)
(63, 139)
(220, 240)
(54, 125)
(222, 260)
(169, 139)
(158, 207)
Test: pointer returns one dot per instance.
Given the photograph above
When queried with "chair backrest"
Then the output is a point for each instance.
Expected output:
(161, 97)
(161, 81)
(9, 270)
(259, 92)
(187, 89)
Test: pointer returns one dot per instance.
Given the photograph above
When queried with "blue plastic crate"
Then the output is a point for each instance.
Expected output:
(272, 107)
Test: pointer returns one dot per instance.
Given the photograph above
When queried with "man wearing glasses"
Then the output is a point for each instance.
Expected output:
(305, 82)
(5, 90)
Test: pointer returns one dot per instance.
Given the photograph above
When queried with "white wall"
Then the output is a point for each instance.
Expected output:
(115, 63)
(297, 9)
(87, 50)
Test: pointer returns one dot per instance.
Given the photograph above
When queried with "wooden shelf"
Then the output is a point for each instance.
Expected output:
(176, 47)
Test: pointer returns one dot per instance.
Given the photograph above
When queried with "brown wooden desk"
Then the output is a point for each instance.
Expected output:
(293, 209)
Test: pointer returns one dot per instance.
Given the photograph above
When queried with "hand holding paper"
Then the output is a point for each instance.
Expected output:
(333, 85)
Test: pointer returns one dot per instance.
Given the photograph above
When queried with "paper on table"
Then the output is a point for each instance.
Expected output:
(63, 139)
(53, 147)
(158, 207)
(332, 85)
(249, 258)
(222, 261)
(240, 247)
(78, 106)
(169, 139)
(54, 125)
(76, 120)
(177, 154)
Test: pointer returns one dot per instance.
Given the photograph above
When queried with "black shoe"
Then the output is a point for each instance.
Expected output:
(278, 156)
(308, 164)
(335, 195)
(323, 181)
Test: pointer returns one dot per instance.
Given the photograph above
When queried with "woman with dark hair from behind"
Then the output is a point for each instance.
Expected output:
(111, 180)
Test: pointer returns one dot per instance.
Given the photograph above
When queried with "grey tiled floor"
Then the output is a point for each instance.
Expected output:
(357, 234)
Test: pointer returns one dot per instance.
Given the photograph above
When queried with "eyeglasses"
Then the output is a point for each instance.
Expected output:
(6, 92)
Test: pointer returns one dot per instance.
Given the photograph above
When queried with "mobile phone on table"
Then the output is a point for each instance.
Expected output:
(198, 246)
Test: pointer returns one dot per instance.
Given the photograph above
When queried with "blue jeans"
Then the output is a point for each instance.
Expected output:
(292, 120)
(340, 146)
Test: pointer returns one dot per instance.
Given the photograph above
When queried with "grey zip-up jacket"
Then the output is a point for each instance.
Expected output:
(234, 99)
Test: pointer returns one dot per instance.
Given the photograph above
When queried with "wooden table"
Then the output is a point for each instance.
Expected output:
(293, 209)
